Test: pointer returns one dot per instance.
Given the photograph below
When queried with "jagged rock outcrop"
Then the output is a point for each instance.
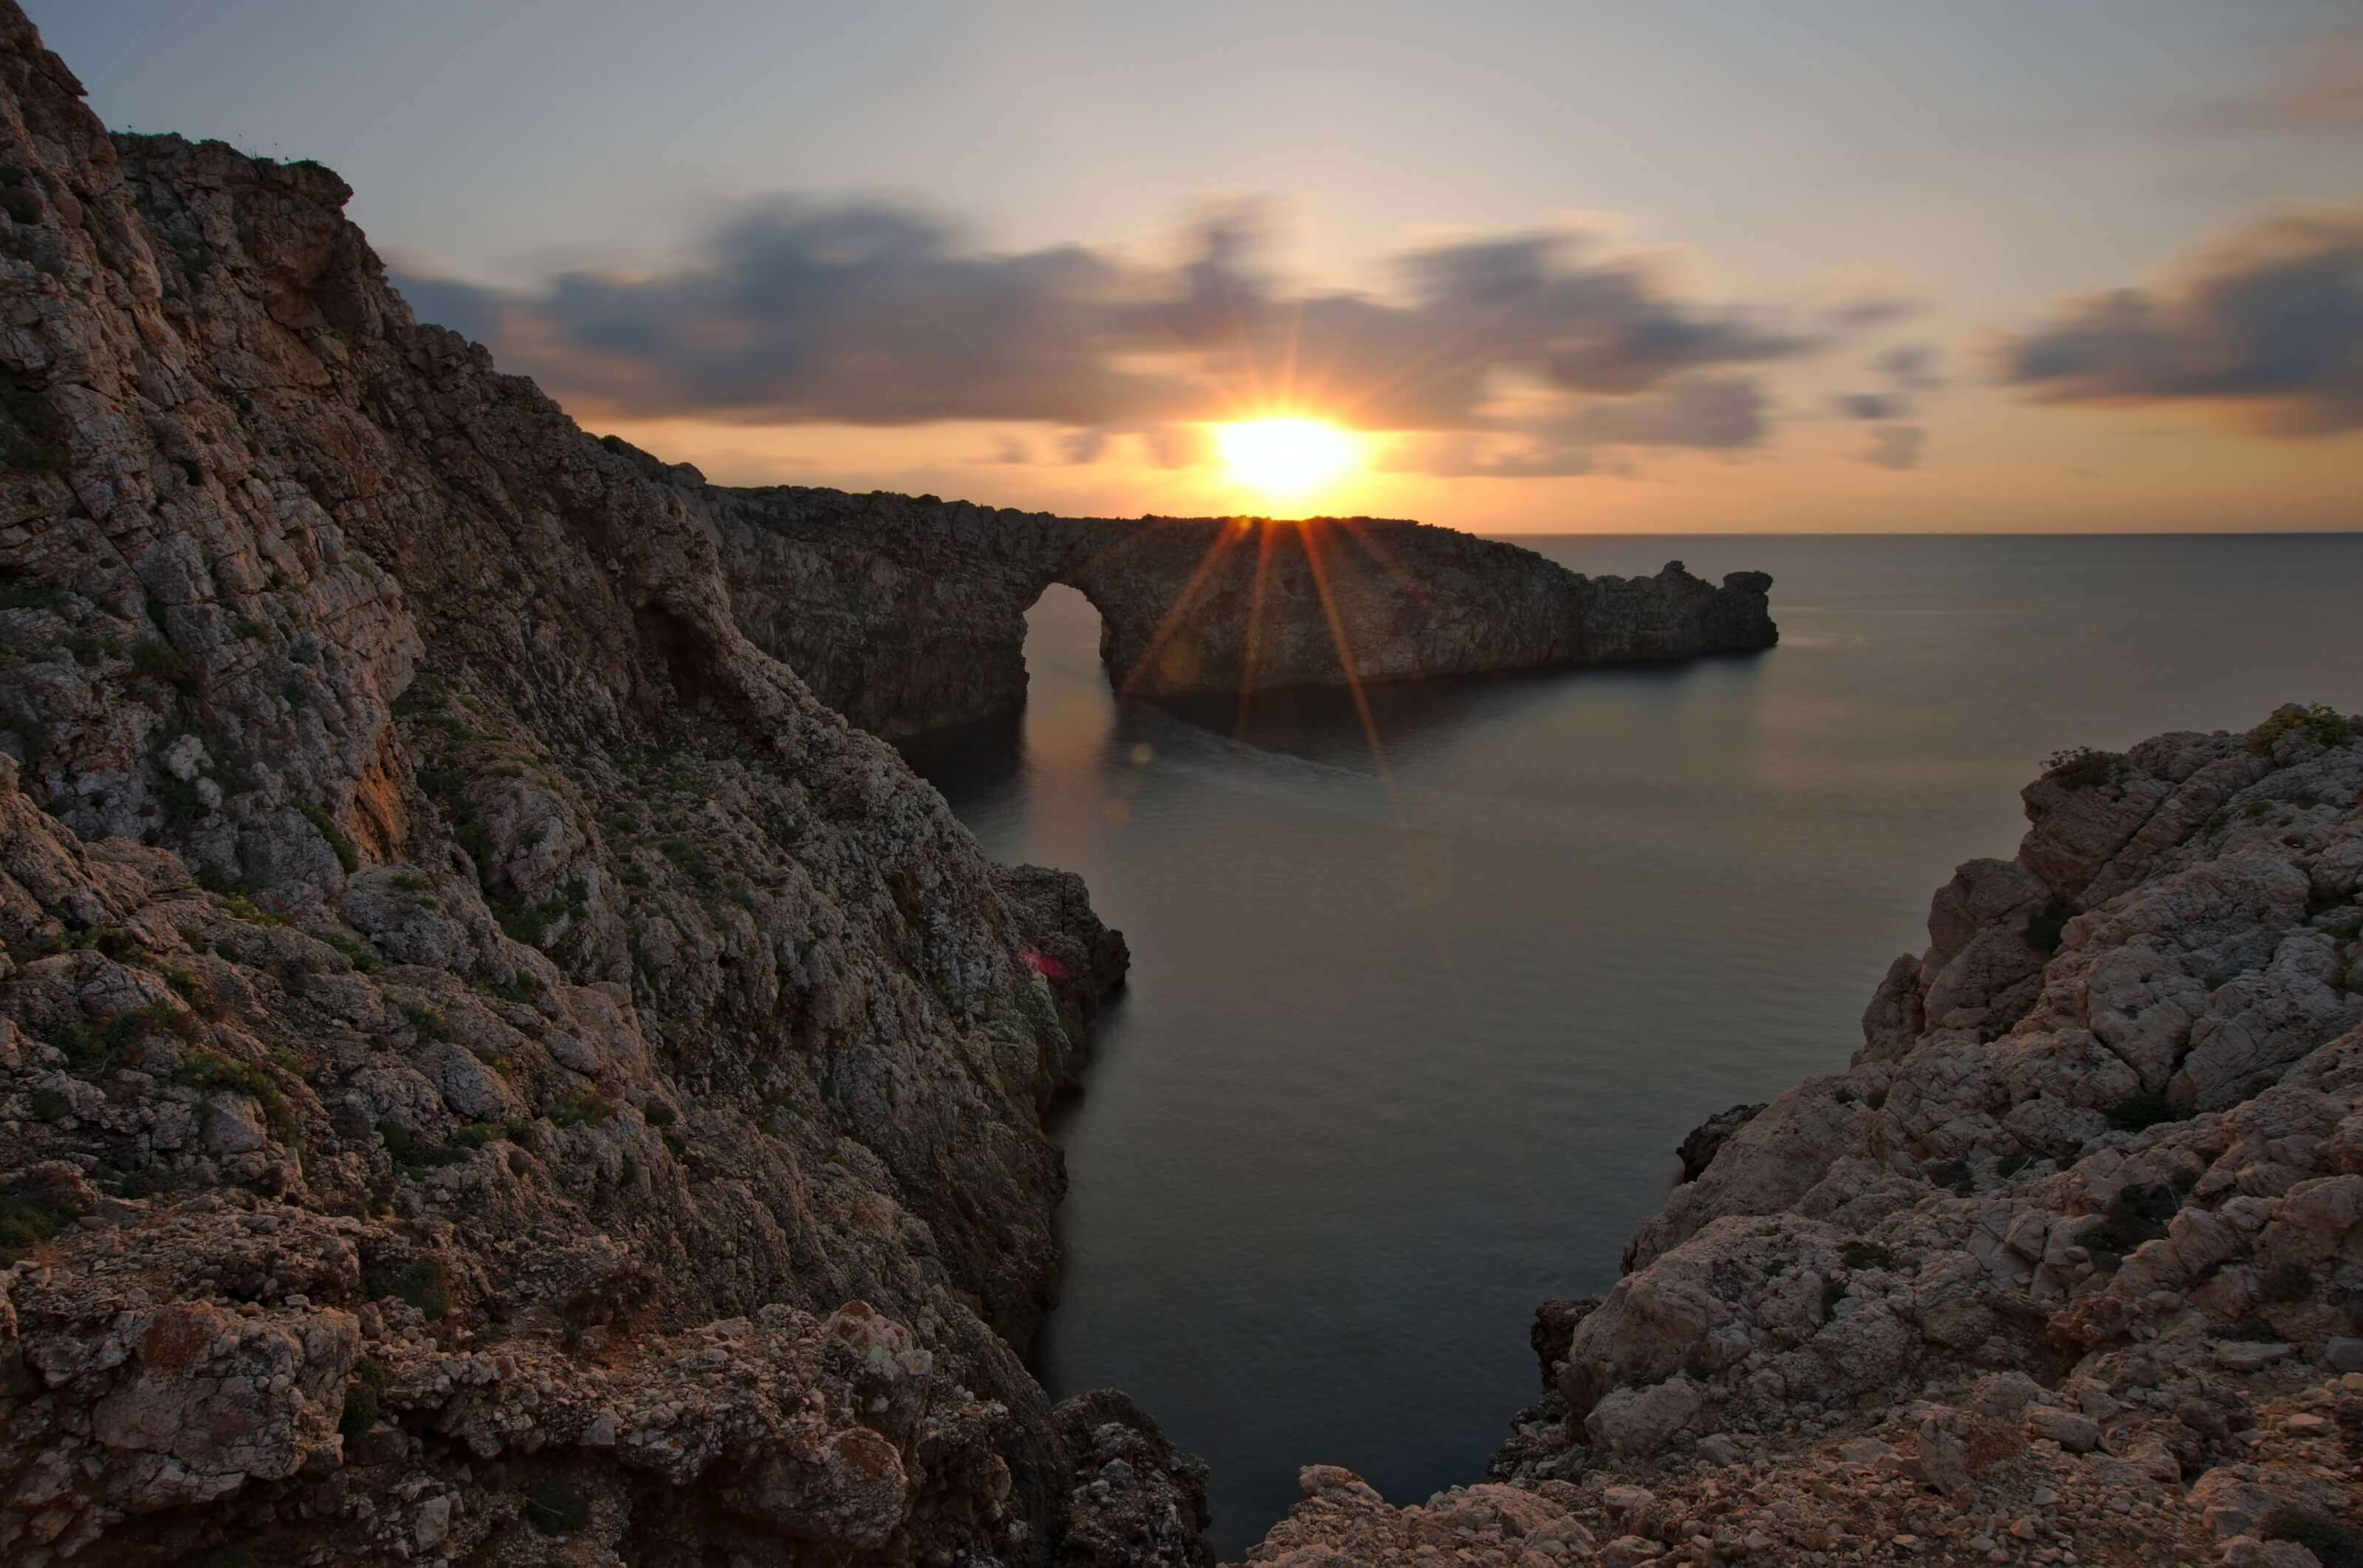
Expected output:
(1703, 1141)
(1082, 961)
(1554, 1330)
(492, 1068)
(910, 614)
(2070, 1260)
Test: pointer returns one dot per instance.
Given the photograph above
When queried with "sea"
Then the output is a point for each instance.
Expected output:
(1420, 1008)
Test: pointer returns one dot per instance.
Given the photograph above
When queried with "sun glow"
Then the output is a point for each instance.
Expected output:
(1284, 456)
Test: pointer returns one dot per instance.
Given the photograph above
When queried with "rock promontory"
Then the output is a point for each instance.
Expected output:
(909, 614)
(2067, 1266)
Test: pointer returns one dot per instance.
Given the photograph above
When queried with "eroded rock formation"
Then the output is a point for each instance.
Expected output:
(492, 1068)
(908, 615)
(2070, 1262)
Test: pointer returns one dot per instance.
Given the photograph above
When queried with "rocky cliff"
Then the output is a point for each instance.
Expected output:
(2068, 1267)
(910, 614)
(491, 1068)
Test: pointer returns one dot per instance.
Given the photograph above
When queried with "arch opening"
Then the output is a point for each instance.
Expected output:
(1068, 699)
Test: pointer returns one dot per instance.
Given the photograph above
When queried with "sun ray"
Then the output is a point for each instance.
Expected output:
(1157, 639)
(1412, 585)
(1310, 535)
(1265, 535)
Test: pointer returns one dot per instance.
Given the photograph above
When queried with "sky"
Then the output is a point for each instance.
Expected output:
(2074, 265)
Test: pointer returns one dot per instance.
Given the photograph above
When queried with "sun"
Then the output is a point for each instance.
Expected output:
(1284, 456)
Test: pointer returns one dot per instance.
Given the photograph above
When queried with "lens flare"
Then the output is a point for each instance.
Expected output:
(1284, 456)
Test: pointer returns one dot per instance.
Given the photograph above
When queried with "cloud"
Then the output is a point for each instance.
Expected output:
(1912, 366)
(1083, 445)
(1873, 406)
(1166, 446)
(1535, 303)
(1461, 456)
(2314, 88)
(464, 308)
(1895, 446)
(788, 312)
(1874, 308)
(1720, 412)
(862, 314)
(2265, 320)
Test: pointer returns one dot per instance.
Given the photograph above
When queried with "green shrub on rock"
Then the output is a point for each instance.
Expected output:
(2318, 722)
(2084, 768)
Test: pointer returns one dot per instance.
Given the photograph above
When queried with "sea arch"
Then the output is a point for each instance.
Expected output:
(908, 613)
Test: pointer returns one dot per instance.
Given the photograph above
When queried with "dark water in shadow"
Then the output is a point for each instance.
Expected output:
(1407, 1051)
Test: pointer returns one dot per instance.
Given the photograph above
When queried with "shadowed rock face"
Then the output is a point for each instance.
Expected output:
(909, 615)
(492, 1068)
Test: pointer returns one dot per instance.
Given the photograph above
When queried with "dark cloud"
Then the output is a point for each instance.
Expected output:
(1083, 445)
(1870, 310)
(464, 308)
(1912, 366)
(863, 314)
(1710, 413)
(1873, 406)
(1895, 446)
(1533, 302)
(1721, 412)
(2268, 318)
(870, 314)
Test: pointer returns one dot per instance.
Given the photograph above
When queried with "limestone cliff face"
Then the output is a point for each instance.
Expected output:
(491, 1065)
(908, 615)
(2070, 1259)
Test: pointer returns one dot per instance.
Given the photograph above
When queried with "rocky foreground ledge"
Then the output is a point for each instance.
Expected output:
(2066, 1268)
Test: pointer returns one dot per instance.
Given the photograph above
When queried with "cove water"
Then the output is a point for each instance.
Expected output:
(1413, 1030)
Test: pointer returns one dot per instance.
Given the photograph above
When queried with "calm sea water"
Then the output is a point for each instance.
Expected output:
(1407, 1049)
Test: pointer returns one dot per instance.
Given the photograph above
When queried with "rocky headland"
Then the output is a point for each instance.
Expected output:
(2067, 1267)
(908, 615)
